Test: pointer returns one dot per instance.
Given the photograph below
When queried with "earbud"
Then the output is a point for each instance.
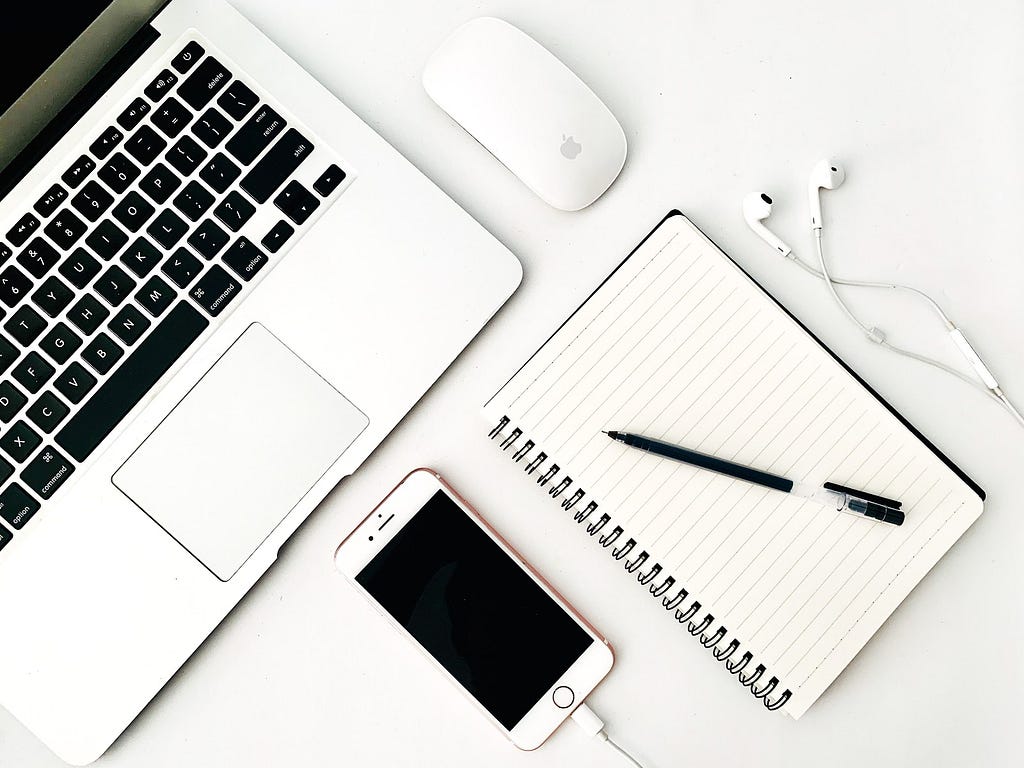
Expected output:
(757, 208)
(827, 174)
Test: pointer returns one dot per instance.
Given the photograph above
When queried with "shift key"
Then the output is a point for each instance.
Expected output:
(257, 133)
(277, 165)
(46, 472)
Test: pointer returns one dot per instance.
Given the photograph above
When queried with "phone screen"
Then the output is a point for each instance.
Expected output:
(474, 609)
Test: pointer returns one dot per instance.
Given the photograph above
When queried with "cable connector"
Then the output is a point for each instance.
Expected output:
(876, 335)
(593, 726)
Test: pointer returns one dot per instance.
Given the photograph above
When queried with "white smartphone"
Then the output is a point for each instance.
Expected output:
(442, 576)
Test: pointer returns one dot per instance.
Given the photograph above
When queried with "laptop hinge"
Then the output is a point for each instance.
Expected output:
(55, 130)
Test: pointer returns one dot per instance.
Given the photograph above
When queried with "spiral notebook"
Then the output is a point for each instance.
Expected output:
(680, 344)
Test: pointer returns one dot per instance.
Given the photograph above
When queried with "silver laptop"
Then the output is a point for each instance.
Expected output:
(220, 291)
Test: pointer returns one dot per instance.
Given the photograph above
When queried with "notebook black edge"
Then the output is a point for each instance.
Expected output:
(675, 212)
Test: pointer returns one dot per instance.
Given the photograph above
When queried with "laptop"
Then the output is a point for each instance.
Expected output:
(219, 292)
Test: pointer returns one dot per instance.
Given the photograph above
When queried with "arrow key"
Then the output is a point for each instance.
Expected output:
(296, 202)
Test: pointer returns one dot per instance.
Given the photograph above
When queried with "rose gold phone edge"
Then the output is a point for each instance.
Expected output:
(350, 565)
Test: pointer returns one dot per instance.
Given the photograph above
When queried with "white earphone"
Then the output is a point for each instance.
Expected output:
(829, 174)
(757, 208)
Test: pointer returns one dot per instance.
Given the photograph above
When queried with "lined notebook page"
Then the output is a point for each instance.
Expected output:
(680, 345)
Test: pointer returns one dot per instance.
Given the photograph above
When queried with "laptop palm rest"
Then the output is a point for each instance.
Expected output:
(239, 451)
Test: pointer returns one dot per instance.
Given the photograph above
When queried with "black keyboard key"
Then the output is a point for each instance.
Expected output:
(11, 401)
(296, 202)
(52, 296)
(212, 127)
(92, 200)
(161, 86)
(208, 239)
(60, 343)
(238, 100)
(171, 117)
(215, 290)
(204, 83)
(5, 537)
(25, 325)
(6, 470)
(277, 236)
(14, 285)
(23, 230)
(129, 324)
(329, 180)
(133, 113)
(182, 268)
(189, 55)
(47, 412)
(19, 441)
(256, 135)
(159, 183)
(276, 166)
(220, 173)
(46, 473)
(79, 268)
(32, 372)
(8, 354)
(186, 155)
(234, 210)
(5, 253)
(194, 200)
(75, 383)
(119, 394)
(114, 285)
(106, 240)
(65, 229)
(244, 259)
(167, 229)
(76, 174)
(142, 257)
(102, 353)
(49, 202)
(16, 506)
(155, 296)
(105, 144)
(145, 144)
(133, 211)
(38, 258)
(88, 314)
(118, 172)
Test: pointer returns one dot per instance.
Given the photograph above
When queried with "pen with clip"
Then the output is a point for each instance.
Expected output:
(830, 494)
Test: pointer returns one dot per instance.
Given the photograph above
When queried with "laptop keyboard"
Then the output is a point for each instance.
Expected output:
(132, 254)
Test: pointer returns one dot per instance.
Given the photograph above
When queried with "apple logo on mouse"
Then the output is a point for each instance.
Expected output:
(570, 147)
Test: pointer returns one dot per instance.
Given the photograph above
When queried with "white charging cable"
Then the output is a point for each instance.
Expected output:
(592, 725)
(988, 383)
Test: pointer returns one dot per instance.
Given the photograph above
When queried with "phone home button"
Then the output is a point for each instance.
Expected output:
(563, 696)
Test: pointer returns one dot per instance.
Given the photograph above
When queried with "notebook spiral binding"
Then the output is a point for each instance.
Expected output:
(573, 500)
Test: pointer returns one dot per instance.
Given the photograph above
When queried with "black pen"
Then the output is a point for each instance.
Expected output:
(830, 494)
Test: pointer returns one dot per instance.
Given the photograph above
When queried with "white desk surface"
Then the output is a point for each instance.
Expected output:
(922, 103)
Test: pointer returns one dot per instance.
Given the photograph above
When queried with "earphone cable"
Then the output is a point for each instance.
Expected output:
(872, 333)
(869, 284)
(879, 338)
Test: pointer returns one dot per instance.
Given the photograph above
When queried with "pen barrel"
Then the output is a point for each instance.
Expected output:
(704, 461)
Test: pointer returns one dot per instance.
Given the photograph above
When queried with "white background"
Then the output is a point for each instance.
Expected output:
(922, 102)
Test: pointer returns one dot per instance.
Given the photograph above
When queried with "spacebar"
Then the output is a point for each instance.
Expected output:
(131, 381)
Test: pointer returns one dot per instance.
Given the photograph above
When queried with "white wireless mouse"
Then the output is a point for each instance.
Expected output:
(525, 106)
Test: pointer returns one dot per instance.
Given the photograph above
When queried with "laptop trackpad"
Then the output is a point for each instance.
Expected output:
(240, 451)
